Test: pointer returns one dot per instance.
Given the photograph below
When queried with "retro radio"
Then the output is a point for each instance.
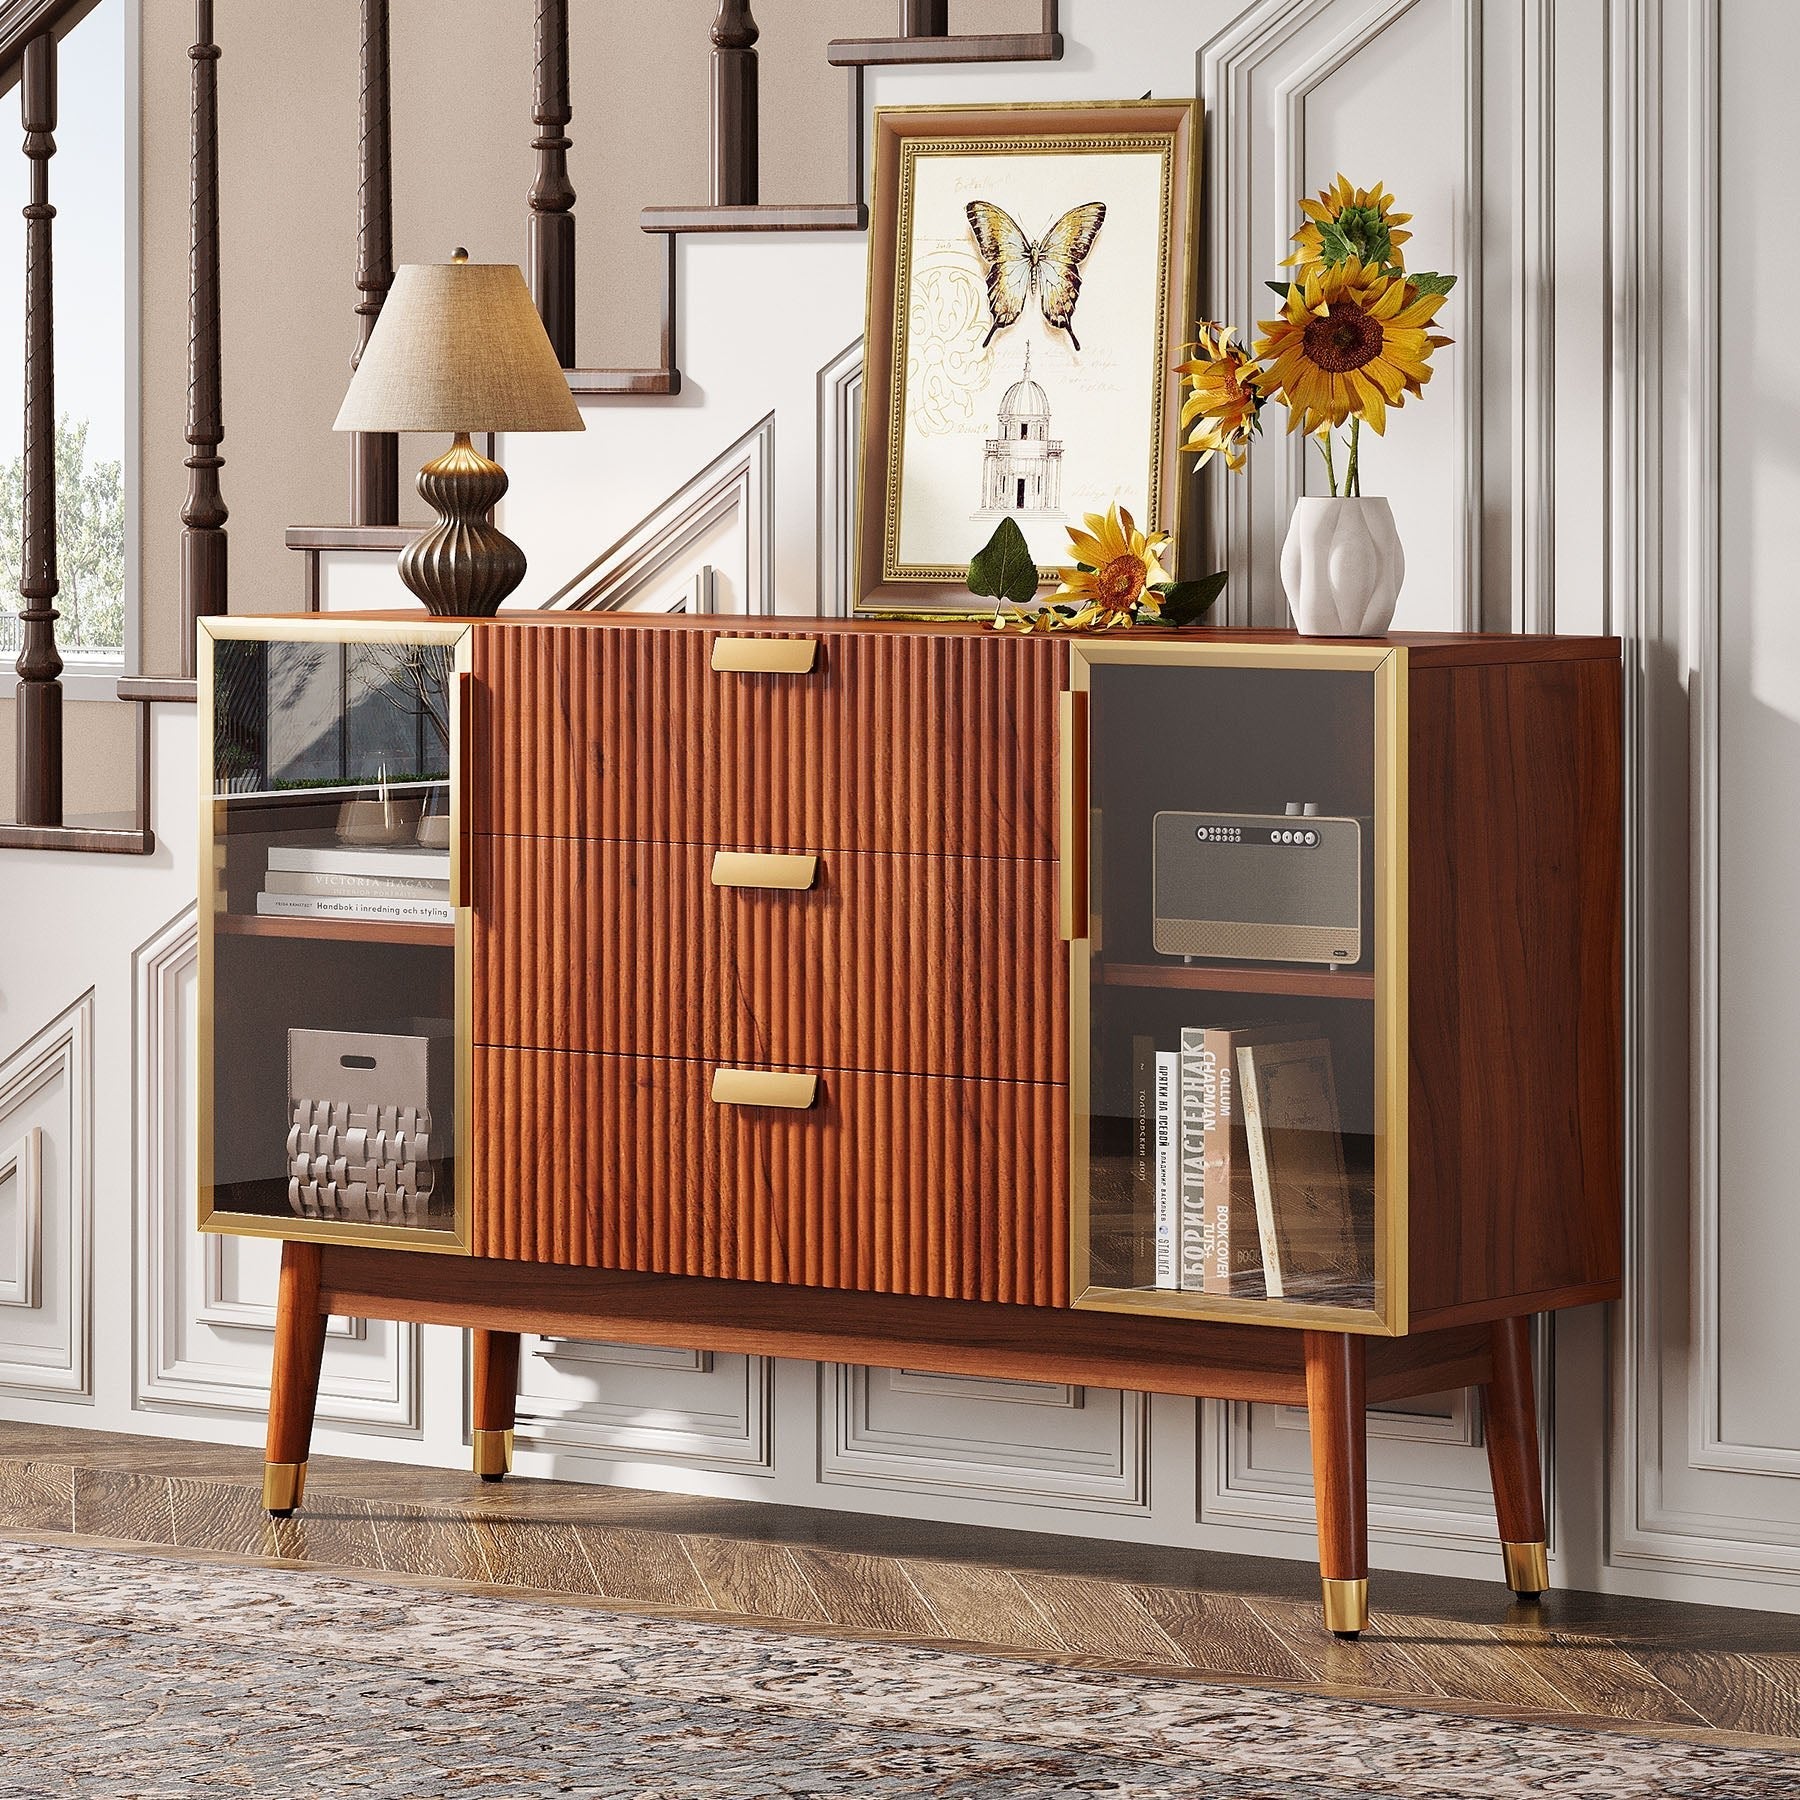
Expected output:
(1277, 887)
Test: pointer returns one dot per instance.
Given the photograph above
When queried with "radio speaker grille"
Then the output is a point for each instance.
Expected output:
(1250, 941)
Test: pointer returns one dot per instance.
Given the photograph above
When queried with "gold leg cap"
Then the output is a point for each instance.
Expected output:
(493, 1454)
(1346, 1605)
(284, 1487)
(1527, 1568)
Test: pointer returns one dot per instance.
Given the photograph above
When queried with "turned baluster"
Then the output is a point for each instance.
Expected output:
(203, 515)
(552, 197)
(374, 455)
(924, 18)
(734, 126)
(39, 694)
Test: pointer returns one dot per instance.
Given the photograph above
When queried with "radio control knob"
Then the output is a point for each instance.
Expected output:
(1293, 809)
(1311, 809)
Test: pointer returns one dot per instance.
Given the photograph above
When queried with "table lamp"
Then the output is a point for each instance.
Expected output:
(459, 347)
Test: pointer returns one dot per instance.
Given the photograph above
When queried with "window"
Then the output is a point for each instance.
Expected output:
(88, 177)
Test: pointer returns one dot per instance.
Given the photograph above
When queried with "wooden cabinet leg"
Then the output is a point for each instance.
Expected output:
(1336, 1402)
(496, 1394)
(1510, 1410)
(294, 1381)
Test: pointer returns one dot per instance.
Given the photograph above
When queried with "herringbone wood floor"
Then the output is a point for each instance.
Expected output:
(1451, 1645)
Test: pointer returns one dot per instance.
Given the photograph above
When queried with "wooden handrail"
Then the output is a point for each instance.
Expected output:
(374, 455)
(23, 20)
(203, 516)
(39, 694)
(552, 195)
(734, 119)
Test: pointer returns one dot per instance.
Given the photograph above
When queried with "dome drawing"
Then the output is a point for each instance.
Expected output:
(1021, 464)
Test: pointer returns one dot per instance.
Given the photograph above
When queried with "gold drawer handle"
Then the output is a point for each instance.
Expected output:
(764, 656)
(771, 869)
(763, 1087)
(1072, 846)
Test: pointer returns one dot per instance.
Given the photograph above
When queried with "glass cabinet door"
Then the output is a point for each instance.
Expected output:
(1234, 852)
(333, 931)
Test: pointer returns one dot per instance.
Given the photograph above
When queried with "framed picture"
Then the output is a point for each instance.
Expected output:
(1030, 287)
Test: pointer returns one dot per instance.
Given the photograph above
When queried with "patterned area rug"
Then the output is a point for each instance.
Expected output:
(128, 1675)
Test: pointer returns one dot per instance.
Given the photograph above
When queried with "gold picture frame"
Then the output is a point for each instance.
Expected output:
(979, 332)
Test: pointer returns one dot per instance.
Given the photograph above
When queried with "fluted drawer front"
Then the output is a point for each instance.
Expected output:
(885, 1184)
(891, 741)
(908, 964)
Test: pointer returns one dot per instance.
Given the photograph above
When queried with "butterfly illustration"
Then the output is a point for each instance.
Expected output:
(1017, 266)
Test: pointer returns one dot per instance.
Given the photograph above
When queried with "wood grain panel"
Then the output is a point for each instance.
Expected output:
(905, 964)
(1515, 928)
(888, 1184)
(926, 740)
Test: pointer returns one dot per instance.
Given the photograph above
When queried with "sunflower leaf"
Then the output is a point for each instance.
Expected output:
(1003, 566)
(1188, 602)
(1358, 231)
(1432, 284)
(1278, 287)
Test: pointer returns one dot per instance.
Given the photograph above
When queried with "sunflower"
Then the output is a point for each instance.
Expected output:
(1118, 565)
(1350, 343)
(1346, 221)
(1224, 394)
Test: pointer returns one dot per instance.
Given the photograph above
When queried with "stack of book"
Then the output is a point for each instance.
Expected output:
(1237, 1161)
(404, 882)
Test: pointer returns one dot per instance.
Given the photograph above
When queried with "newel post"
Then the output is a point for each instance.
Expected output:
(203, 515)
(374, 455)
(734, 125)
(552, 197)
(39, 694)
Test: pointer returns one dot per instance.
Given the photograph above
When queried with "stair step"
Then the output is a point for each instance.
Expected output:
(830, 215)
(995, 46)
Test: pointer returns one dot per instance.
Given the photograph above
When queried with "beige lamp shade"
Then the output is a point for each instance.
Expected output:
(458, 347)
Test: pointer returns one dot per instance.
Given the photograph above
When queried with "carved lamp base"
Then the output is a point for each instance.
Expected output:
(462, 567)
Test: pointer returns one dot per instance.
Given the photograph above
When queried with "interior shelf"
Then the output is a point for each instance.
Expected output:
(1216, 978)
(357, 931)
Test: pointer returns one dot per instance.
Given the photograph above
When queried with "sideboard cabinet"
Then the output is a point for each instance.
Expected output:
(1208, 1013)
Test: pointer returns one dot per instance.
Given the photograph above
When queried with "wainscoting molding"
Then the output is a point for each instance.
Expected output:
(1258, 78)
(1023, 1443)
(723, 515)
(633, 1403)
(22, 1243)
(46, 1279)
(840, 387)
(206, 1315)
(1736, 1510)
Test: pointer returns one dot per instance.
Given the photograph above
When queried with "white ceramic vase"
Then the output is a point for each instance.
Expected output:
(1342, 566)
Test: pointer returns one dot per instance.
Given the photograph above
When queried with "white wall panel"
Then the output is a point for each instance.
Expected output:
(1019, 1444)
(47, 1208)
(649, 1406)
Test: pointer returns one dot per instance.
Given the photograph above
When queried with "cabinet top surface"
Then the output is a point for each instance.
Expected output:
(1425, 647)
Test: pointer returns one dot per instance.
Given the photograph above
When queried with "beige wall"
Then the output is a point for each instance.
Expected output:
(462, 74)
(99, 757)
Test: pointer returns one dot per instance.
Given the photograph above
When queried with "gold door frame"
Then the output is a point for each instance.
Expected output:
(323, 629)
(1386, 664)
